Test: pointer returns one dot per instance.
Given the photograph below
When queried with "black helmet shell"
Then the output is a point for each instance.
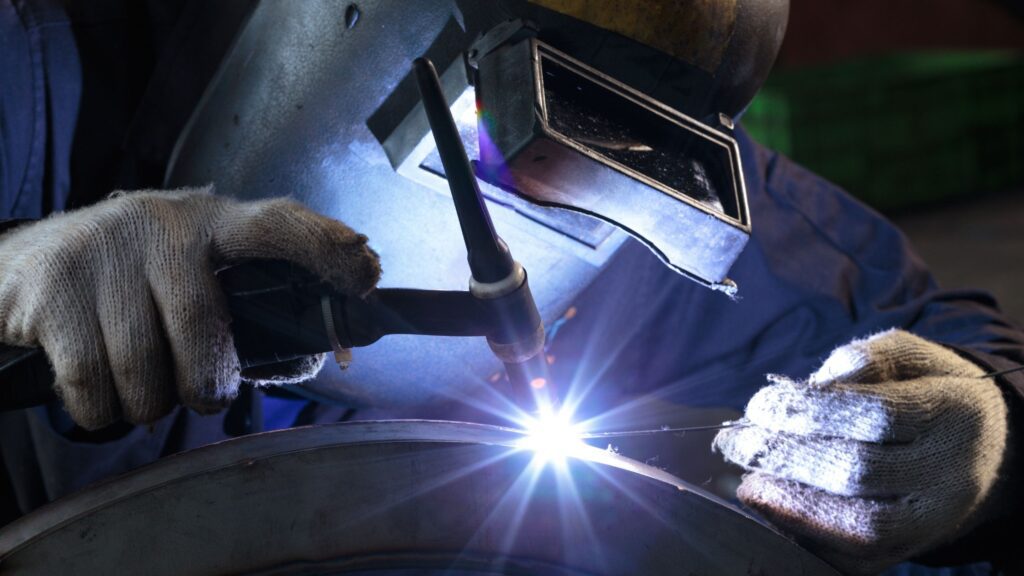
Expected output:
(702, 57)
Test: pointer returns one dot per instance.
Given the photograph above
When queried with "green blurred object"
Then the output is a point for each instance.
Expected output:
(902, 130)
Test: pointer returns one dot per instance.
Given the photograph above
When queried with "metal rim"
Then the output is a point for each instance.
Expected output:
(329, 480)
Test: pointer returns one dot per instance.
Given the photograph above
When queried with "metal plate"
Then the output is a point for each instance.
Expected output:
(410, 497)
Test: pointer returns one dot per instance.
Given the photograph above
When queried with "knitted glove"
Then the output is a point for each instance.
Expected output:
(122, 295)
(888, 450)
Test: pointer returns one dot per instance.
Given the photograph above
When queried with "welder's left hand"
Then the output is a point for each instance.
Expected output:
(891, 449)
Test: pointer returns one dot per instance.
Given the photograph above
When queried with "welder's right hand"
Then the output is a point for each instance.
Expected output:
(122, 295)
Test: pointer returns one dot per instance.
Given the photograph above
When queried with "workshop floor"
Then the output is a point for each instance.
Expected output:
(977, 243)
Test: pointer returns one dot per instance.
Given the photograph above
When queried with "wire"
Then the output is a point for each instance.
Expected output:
(1002, 372)
(666, 430)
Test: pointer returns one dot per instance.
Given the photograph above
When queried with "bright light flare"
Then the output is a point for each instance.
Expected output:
(553, 438)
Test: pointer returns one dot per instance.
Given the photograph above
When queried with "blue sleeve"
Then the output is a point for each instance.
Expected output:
(40, 86)
(883, 280)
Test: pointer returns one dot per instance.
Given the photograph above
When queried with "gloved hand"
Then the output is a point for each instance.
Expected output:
(123, 298)
(890, 449)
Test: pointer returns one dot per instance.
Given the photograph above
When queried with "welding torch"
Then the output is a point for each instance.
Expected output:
(281, 312)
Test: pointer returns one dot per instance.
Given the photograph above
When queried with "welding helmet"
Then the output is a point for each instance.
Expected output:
(700, 57)
(589, 123)
(624, 110)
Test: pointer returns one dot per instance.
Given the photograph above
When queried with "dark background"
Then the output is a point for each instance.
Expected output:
(824, 31)
(917, 108)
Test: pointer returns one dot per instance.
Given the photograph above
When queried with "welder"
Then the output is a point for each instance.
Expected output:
(898, 446)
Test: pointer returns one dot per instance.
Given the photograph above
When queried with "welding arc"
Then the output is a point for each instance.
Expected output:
(651, 432)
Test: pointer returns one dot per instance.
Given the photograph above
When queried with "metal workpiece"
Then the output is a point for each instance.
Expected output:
(434, 497)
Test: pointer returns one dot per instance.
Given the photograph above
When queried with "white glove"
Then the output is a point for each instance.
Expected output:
(123, 298)
(889, 450)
